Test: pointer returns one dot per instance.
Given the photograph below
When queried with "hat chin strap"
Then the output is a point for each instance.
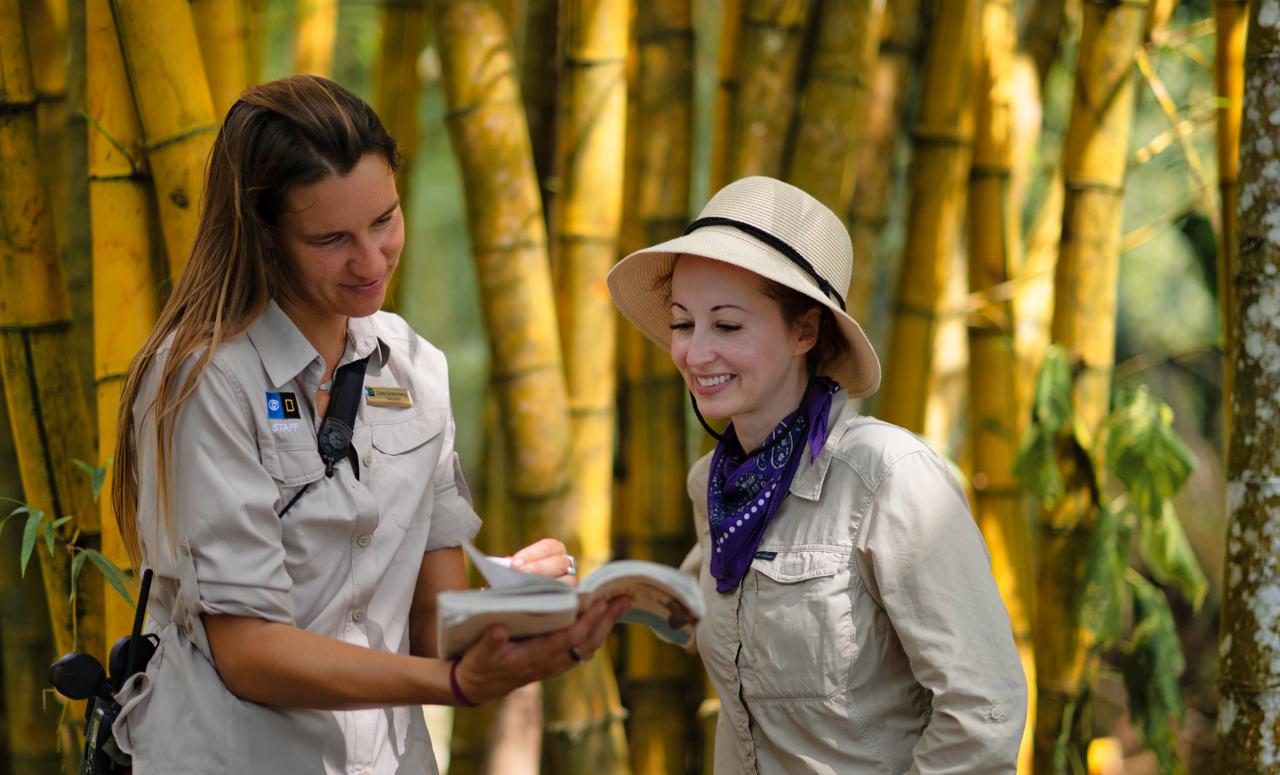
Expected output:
(777, 244)
(720, 437)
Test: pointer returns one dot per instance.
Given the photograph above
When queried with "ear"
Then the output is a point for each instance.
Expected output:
(806, 330)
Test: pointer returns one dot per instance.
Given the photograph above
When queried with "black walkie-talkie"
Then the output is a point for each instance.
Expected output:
(81, 676)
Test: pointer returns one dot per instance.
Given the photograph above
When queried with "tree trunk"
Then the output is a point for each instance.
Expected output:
(1232, 17)
(941, 151)
(487, 131)
(1042, 33)
(540, 84)
(315, 28)
(45, 401)
(395, 98)
(222, 27)
(766, 69)
(175, 110)
(583, 715)
(125, 274)
(886, 105)
(823, 156)
(26, 649)
(1084, 325)
(995, 414)
(652, 512)
(1249, 716)
(726, 92)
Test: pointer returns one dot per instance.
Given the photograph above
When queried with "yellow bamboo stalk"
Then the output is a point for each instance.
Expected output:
(886, 102)
(1084, 325)
(1250, 659)
(395, 97)
(592, 135)
(942, 147)
(726, 91)
(995, 414)
(487, 131)
(591, 129)
(175, 109)
(25, 645)
(823, 157)
(1231, 17)
(43, 394)
(652, 513)
(255, 11)
(766, 68)
(222, 27)
(315, 28)
(124, 281)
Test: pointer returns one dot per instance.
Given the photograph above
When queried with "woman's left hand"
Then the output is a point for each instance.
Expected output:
(547, 557)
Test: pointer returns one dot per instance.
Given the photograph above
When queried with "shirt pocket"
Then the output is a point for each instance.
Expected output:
(406, 453)
(292, 469)
(797, 625)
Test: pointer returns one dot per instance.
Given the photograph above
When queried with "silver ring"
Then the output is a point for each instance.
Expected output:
(576, 655)
(573, 566)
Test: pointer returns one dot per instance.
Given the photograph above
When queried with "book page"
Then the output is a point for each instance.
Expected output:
(663, 598)
(501, 576)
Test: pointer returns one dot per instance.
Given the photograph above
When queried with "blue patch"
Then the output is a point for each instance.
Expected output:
(282, 406)
(765, 555)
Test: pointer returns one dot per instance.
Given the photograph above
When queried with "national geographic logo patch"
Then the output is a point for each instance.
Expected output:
(282, 406)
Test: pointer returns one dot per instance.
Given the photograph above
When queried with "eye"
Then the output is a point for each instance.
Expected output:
(384, 220)
(681, 325)
(329, 241)
(728, 328)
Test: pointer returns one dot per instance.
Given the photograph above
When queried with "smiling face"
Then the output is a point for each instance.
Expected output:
(342, 237)
(733, 347)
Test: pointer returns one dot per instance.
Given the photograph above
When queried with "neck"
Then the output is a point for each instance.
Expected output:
(326, 333)
(754, 427)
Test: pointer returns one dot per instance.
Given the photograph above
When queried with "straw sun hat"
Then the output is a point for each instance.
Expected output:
(770, 228)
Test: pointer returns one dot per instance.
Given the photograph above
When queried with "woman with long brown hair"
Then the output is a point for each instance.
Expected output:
(295, 588)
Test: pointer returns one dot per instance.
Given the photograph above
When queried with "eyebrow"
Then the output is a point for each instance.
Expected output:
(326, 235)
(716, 308)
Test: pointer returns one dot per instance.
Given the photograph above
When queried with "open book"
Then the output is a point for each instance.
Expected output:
(526, 604)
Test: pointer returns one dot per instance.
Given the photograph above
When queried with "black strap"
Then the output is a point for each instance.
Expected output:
(775, 243)
(334, 436)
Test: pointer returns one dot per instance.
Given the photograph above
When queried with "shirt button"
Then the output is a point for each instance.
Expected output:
(364, 540)
(357, 615)
(368, 459)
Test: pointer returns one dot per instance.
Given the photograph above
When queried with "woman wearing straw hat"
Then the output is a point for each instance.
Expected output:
(853, 624)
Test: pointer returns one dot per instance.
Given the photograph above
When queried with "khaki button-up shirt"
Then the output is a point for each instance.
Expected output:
(343, 562)
(868, 635)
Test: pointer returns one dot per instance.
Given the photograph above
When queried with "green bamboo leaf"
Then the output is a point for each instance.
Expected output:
(1051, 401)
(1168, 555)
(97, 476)
(29, 533)
(1102, 599)
(1145, 454)
(48, 536)
(1037, 467)
(62, 521)
(76, 564)
(23, 509)
(112, 573)
(1151, 668)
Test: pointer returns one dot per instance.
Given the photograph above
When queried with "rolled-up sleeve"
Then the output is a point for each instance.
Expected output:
(931, 570)
(224, 504)
(453, 518)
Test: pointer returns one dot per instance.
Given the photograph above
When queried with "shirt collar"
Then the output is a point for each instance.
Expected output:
(808, 480)
(285, 352)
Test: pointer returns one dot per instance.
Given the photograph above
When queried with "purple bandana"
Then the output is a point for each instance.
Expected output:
(745, 490)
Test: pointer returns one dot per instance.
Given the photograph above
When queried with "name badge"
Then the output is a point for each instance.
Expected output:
(388, 396)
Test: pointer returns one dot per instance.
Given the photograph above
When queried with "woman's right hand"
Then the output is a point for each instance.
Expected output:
(497, 665)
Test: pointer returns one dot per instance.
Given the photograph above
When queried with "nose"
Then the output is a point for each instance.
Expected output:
(367, 260)
(701, 349)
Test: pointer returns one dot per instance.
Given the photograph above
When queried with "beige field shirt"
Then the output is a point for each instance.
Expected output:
(868, 635)
(343, 562)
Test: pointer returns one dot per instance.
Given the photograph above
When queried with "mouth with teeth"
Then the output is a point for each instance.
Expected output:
(710, 382)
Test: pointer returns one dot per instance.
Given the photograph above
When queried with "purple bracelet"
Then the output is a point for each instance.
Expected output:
(462, 699)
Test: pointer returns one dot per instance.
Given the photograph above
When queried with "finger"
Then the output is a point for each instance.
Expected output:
(539, 550)
(555, 566)
(617, 607)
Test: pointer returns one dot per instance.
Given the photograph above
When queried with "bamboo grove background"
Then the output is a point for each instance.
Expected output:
(1056, 254)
